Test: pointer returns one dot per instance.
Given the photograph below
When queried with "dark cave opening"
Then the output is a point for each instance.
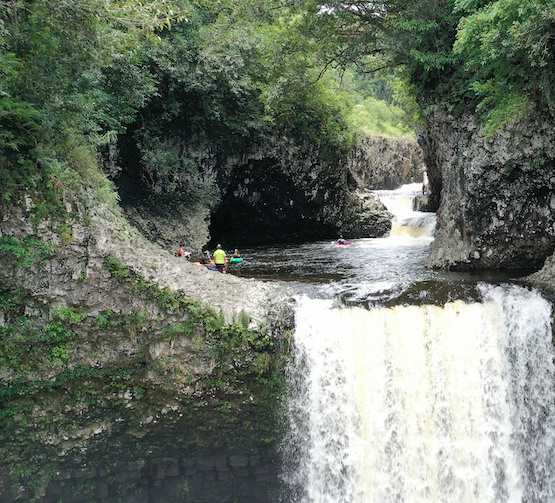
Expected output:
(262, 205)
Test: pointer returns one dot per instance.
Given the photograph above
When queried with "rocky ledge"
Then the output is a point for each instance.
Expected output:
(76, 274)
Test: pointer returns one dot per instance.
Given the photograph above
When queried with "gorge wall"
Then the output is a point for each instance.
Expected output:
(497, 198)
(128, 374)
(276, 190)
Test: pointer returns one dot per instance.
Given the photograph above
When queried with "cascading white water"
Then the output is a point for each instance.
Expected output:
(407, 222)
(424, 403)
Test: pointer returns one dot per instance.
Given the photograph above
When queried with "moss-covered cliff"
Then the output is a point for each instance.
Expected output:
(120, 361)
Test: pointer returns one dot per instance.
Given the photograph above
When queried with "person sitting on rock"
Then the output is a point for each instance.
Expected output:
(205, 258)
(219, 258)
(182, 253)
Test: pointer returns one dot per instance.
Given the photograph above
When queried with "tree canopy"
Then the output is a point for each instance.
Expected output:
(494, 57)
(77, 74)
(71, 78)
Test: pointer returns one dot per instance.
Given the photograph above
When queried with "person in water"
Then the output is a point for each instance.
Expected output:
(219, 258)
(341, 241)
(236, 254)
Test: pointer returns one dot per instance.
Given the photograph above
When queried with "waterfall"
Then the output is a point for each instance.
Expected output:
(423, 403)
(407, 222)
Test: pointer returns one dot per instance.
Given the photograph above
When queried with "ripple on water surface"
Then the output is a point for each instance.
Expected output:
(368, 272)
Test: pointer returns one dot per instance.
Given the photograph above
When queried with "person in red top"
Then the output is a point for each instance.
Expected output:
(182, 253)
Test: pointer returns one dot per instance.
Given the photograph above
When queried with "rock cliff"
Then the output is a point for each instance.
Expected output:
(386, 163)
(276, 190)
(497, 198)
(130, 374)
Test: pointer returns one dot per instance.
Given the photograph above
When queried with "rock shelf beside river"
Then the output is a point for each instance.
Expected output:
(117, 356)
(76, 271)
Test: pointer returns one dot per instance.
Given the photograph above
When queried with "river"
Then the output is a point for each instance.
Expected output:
(369, 271)
(412, 385)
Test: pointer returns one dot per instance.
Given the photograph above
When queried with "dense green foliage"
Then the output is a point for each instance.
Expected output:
(494, 57)
(75, 75)
(509, 52)
(70, 79)
(236, 71)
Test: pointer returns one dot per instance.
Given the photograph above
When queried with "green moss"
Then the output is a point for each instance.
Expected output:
(116, 268)
(28, 345)
(26, 252)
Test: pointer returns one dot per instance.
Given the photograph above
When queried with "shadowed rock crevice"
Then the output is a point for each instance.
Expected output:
(264, 204)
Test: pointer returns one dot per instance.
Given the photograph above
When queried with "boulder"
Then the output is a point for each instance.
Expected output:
(366, 216)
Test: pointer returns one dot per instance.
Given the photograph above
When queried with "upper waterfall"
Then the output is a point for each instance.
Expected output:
(407, 222)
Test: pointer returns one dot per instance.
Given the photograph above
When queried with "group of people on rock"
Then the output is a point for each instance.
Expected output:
(218, 260)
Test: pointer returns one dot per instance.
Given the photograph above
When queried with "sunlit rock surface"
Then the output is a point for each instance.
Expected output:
(386, 163)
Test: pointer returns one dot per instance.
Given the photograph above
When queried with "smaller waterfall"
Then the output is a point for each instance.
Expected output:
(424, 404)
(407, 222)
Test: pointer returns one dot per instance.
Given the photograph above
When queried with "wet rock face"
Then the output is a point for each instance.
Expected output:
(251, 479)
(430, 202)
(272, 191)
(286, 192)
(170, 223)
(498, 195)
(385, 163)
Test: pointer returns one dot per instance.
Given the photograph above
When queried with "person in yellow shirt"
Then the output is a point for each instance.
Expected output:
(219, 258)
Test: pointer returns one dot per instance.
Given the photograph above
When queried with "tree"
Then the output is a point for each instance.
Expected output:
(71, 77)
(509, 51)
(493, 57)
(236, 71)
(393, 32)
